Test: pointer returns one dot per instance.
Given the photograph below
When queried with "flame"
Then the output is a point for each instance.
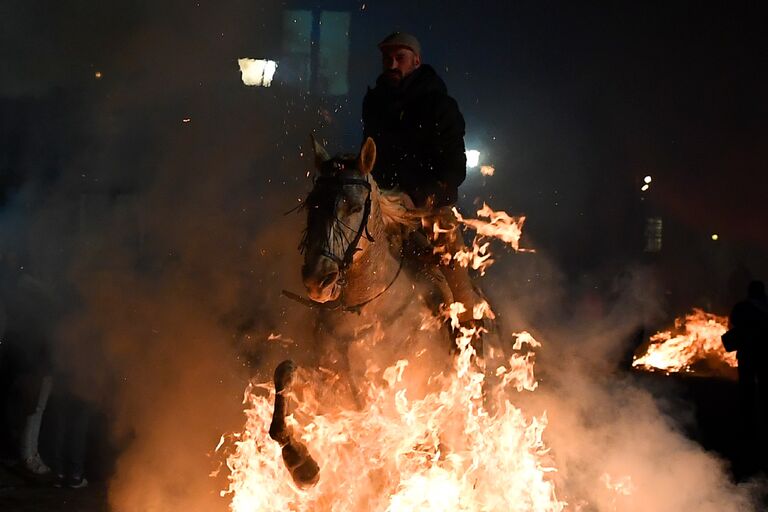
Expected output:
(622, 485)
(487, 170)
(499, 225)
(459, 443)
(698, 339)
(620, 489)
(478, 258)
(453, 449)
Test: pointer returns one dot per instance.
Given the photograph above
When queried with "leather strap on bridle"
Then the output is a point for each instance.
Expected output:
(338, 303)
(345, 262)
(335, 180)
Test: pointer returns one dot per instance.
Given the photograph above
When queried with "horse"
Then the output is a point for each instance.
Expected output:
(372, 300)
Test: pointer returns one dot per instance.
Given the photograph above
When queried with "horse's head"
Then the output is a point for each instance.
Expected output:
(338, 209)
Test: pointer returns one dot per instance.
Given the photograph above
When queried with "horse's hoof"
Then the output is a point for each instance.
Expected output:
(284, 375)
(307, 475)
(303, 468)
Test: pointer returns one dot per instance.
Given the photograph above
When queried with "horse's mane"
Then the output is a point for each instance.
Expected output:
(398, 211)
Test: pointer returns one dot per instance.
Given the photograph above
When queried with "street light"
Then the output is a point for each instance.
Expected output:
(473, 158)
(258, 72)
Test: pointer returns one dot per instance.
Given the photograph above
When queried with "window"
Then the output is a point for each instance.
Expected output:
(653, 234)
(316, 47)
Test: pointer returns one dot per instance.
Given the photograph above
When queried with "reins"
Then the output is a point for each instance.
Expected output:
(345, 262)
(338, 304)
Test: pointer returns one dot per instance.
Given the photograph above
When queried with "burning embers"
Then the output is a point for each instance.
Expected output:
(695, 346)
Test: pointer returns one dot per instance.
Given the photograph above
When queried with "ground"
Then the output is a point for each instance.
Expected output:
(712, 423)
(23, 495)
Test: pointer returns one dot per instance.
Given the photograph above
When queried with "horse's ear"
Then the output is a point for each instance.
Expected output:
(367, 156)
(321, 155)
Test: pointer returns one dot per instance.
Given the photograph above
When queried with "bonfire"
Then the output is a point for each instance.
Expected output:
(462, 445)
(694, 346)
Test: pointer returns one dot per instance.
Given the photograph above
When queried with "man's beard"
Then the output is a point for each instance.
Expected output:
(393, 77)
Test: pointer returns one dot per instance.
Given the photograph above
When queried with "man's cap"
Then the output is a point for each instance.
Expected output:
(402, 39)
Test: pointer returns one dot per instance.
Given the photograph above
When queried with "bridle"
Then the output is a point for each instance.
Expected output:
(332, 177)
(338, 182)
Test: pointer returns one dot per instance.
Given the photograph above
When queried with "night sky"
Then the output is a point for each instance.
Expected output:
(572, 103)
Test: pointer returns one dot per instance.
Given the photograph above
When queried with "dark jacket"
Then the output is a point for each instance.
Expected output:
(419, 135)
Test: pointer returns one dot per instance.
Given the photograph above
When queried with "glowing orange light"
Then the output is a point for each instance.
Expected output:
(697, 339)
(461, 445)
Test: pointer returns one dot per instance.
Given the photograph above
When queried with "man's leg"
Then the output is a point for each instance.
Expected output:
(30, 455)
(745, 464)
(78, 419)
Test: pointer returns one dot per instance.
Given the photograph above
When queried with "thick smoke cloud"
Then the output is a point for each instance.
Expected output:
(618, 443)
(163, 238)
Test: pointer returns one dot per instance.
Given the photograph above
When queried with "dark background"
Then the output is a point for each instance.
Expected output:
(573, 103)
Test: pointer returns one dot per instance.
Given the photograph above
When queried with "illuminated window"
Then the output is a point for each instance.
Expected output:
(334, 53)
(297, 42)
(653, 234)
(325, 69)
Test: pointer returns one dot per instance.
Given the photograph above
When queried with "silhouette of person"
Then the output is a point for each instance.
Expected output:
(749, 320)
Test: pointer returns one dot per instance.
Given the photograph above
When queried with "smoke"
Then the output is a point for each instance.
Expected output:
(163, 235)
(177, 304)
(616, 446)
(173, 237)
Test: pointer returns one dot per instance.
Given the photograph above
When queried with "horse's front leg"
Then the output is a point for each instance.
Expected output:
(299, 462)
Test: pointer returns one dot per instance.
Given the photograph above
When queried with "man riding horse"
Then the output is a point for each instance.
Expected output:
(354, 244)
(419, 135)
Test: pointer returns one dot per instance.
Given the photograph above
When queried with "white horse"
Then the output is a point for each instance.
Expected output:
(373, 306)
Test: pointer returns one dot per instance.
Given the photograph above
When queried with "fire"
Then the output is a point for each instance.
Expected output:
(454, 449)
(456, 442)
(697, 339)
(622, 486)
(478, 258)
(499, 225)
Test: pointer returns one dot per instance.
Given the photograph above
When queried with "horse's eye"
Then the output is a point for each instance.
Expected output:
(355, 209)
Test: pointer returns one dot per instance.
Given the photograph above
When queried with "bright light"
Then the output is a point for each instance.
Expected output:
(715, 237)
(258, 72)
(487, 170)
(648, 179)
(473, 158)
(645, 187)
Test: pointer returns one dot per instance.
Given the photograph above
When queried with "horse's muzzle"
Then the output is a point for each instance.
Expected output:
(321, 280)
